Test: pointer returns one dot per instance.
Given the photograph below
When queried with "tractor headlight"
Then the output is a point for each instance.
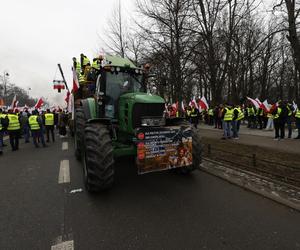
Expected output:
(153, 121)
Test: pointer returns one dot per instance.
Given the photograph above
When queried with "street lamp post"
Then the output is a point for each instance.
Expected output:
(4, 80)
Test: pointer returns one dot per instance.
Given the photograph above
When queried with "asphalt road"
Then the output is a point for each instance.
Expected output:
(154, 211)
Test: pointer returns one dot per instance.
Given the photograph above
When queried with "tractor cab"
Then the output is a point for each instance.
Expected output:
(118, 76)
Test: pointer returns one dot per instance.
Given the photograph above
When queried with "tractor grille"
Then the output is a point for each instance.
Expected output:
(146, 110)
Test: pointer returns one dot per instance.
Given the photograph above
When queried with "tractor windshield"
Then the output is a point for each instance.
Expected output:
(118, 84)
(122, 82)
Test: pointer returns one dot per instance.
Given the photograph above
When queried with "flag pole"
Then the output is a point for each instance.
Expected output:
(63, 77)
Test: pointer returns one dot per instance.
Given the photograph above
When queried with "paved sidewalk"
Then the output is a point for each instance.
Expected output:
(255, 137)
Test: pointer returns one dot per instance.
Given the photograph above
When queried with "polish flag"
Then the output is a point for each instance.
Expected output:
(39, 103)
(258, 101)
(203, 103)
(75, 81)
(67, 98)
(265, 106)
(14, 103)
(194, 103)
(254, 102)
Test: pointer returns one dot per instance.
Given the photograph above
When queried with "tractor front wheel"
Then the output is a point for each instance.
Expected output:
(98, 158)
(79, 130)
(197, 153)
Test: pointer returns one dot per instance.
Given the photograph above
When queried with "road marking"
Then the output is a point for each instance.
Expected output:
(65, 145)
(66, 245)
(64, 172)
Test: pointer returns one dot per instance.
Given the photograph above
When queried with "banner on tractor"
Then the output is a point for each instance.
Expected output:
(163, 148)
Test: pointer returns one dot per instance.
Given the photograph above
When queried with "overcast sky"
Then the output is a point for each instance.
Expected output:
(38, 34)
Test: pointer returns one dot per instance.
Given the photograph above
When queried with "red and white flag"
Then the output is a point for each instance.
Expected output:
(203, 103)
(265, 106)
(39, 103)
(67, 98)
(14, 103)
(254, 102)
(75, 81)
(258, 101)
(194, 102)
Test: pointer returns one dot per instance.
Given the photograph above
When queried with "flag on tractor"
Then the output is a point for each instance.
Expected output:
(75, 81)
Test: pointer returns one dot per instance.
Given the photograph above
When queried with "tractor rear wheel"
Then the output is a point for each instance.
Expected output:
(197, 153)
(98, 158)
(79, 130)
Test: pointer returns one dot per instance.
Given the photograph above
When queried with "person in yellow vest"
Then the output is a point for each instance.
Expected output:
(35, 123)
(84, 61)
(280, 115)
(3, 126)
(227, 121)
(188, 113)
(13, 129)
(96, 64)
(194, 116)
(48, 119)
(297, 117)
(238, 116)
(251, 116)
(76, 65)
(290, 110)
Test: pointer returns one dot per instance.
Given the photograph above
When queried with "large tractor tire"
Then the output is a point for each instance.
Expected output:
(98, 158)
(79, 132)
(197, 153)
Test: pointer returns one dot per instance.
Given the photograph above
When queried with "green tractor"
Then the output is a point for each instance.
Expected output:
(121, 119)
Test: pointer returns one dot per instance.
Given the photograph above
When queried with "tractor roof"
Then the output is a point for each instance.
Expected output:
(117, 61)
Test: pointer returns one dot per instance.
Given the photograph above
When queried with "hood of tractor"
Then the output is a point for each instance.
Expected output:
(134, 107)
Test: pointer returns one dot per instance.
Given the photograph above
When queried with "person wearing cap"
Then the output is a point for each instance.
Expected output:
(48, 119)
(13, 129)
(35, 122)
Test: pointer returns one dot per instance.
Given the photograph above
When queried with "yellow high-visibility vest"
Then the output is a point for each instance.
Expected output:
(78, 67)
(278, 113)
(240, 115)
(14, 123)
(250, 111)
(1, 116)
(297, 115)
(85, 61)
(193, 113)
(33, 123)
(228, 115)
(96, 65)
(49, 119)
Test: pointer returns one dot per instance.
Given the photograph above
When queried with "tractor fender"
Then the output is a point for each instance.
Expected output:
(89, 108)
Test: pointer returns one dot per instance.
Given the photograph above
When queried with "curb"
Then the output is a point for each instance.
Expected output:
(234, 180)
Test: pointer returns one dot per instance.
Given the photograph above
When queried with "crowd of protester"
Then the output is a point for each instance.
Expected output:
(31, 125)
(228, 117)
